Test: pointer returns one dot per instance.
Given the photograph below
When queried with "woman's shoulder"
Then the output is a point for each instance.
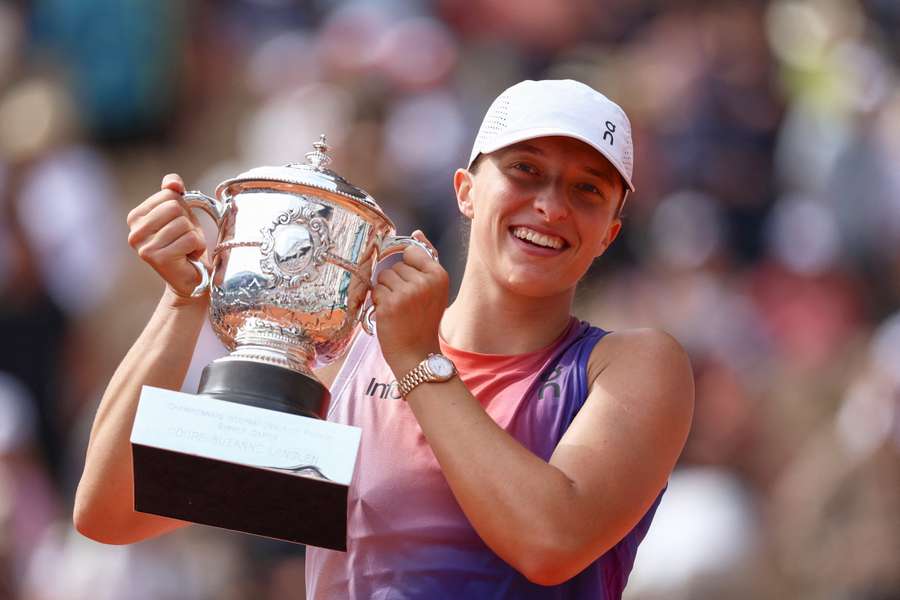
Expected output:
(647, 338)
(652, 351)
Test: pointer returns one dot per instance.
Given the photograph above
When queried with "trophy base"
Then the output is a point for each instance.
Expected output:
(223, 463)
(265, 386)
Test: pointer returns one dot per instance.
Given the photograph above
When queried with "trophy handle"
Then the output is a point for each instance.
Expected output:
(208, 204)
(214, 209)
(204, 278)
(390, 252)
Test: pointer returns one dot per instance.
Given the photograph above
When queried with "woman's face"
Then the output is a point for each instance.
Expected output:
(540, 211)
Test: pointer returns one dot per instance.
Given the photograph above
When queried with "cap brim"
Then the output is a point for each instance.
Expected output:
(502, 141)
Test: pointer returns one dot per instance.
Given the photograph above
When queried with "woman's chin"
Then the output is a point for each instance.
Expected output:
(536, 285)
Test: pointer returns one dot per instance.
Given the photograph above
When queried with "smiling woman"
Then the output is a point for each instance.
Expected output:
(508, 450)
(534, 470)
(541, 211)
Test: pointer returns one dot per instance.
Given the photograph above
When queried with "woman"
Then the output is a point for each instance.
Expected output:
(520, 453)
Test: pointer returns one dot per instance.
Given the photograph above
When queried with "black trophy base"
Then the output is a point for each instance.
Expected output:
(265, 386)
(264, 501)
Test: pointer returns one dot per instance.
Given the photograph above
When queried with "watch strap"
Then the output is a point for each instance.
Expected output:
(419, 374)
(423, 373)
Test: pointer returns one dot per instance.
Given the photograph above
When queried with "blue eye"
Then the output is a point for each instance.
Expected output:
(525, 168)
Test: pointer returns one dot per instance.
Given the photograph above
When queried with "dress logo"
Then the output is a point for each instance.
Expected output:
(383, 390)
(550, 383)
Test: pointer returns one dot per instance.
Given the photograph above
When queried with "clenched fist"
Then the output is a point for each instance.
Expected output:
(165, 235)
(410, 298)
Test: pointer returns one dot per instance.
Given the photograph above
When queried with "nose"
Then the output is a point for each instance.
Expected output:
(550, 202)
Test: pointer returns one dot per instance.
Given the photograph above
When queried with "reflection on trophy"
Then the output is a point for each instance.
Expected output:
(291, 273)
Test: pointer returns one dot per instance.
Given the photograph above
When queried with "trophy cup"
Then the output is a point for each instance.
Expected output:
(291, 274)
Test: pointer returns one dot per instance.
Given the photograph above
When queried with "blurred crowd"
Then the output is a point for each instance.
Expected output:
(765, 235)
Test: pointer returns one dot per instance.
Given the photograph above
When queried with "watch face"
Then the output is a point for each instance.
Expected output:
(440, 366)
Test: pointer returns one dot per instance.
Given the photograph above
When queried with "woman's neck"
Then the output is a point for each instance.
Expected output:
(490, 319)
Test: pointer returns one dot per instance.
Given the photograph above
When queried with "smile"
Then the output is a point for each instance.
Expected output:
(538, 239)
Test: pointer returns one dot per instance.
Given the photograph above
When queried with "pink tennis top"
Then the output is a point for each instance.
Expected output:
(407, 536)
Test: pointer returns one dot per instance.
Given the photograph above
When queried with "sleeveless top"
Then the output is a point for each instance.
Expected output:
(407, 536)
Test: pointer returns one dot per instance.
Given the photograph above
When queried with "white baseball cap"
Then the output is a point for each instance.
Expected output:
(532, 109)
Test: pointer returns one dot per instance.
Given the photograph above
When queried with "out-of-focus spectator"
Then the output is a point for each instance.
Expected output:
(28, 502)
(837, 503)
(121, 60)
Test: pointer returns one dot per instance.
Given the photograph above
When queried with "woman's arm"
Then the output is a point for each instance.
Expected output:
(104, 501)
(164, 234)
(549, 520)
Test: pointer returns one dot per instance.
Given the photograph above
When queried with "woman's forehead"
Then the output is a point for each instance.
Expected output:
(567, 149)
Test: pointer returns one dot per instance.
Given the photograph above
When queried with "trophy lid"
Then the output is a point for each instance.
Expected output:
(312, 174)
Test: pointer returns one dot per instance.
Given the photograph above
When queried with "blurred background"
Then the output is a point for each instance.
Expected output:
(765, 235)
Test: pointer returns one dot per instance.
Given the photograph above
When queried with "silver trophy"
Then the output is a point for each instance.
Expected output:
(292, 272)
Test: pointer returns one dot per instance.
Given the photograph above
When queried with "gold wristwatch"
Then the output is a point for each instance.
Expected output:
(436, 368)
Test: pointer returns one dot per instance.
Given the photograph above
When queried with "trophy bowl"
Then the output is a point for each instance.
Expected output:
(291, 273)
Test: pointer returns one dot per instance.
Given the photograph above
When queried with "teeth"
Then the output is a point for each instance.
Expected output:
(548, 241)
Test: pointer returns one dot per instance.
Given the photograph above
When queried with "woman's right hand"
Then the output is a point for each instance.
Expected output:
(165, 235)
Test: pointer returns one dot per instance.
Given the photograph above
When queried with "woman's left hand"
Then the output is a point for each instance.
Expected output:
(410, 298)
